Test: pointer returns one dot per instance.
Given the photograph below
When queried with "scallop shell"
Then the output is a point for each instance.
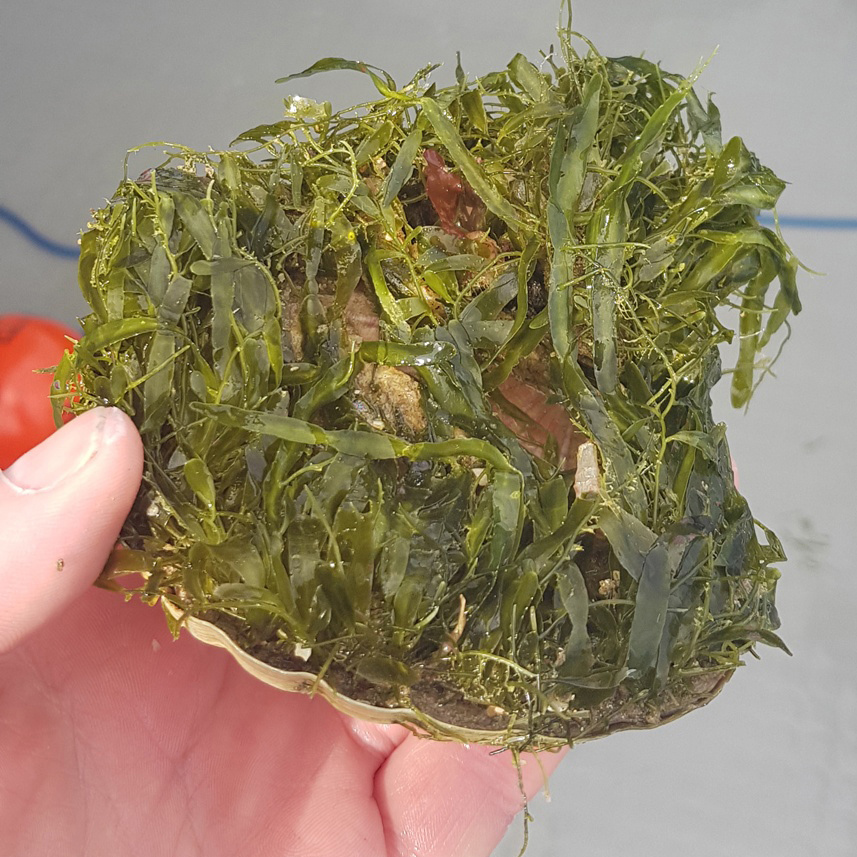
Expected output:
(669, 707)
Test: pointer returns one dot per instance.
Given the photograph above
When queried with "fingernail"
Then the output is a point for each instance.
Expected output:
(66, 452)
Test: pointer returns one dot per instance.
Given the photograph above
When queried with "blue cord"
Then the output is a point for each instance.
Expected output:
(70, 251)
(65, 251)
(797, 222)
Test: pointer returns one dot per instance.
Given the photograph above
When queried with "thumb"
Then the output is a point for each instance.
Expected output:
(61, 507)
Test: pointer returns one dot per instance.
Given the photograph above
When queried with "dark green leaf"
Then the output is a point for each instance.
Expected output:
(630, 539)
(403, 166)
(650, 612)
(572, 592)
(197, 221)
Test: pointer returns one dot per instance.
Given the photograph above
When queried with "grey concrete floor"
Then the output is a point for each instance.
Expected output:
(770, 768)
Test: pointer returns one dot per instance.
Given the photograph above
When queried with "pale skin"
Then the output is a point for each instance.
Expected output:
(115, 740)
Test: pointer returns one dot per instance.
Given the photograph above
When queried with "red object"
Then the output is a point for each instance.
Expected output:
(458, 208)
(444, 190)
(26, 417)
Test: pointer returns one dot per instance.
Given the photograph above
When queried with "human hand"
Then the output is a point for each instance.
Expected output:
(116, 740)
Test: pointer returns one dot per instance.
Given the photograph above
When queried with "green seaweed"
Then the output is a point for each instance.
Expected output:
(221, 287)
